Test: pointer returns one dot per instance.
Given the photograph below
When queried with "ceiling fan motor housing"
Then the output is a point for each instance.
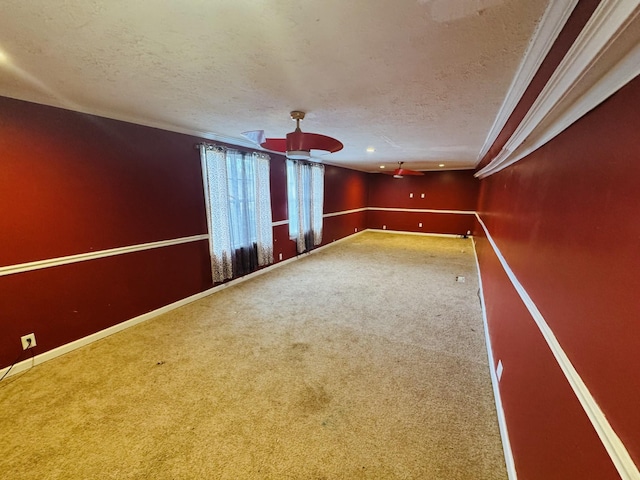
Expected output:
(298, 144)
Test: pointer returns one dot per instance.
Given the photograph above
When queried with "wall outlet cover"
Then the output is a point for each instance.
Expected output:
(28, 341)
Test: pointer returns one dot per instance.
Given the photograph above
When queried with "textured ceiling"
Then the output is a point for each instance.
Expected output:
(421, 81)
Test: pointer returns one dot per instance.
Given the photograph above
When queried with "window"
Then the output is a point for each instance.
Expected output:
(238, 201)
(305, 193)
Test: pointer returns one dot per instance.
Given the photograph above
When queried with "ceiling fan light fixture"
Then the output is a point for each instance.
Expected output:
(397, 176)
(299, 155)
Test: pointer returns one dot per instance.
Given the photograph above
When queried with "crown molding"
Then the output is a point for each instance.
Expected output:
(550, 26)
(554, 111)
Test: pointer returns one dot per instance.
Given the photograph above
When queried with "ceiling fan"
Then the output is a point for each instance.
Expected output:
(401, 172)
(298, 144)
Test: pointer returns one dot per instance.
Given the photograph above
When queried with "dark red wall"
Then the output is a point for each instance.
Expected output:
(566, 220)
(344, 190)
(550, 436)
(64, 303)
(443, 190)
(73, 183)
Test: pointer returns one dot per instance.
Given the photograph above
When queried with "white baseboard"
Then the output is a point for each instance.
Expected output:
(502, 421)
(400, 232)
(81, 342)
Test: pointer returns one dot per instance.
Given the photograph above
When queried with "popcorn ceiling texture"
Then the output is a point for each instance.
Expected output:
(427, 75)
(364, 361)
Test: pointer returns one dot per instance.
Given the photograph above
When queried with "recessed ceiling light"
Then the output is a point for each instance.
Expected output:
(441, 165)
(381, 166)
(371, 149)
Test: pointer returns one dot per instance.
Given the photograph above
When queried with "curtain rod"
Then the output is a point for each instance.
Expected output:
(208, 145)
(213, 146)
(305, 162)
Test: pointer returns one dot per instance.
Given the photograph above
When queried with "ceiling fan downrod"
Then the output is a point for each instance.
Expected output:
(297, 115)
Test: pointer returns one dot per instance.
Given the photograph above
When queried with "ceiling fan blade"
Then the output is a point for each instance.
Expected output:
(303, 141)
(275, 144)
(298, 144)
(401, 172)
(406, 171)
(256, 136)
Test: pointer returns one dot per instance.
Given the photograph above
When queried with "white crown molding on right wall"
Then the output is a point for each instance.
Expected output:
(611, 36)
(550, 26)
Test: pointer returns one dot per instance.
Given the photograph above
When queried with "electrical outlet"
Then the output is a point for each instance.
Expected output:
(420, 225)
(384, 227)
(280, 257)
(28, 341)
(460, 279)
(411, 195)
(422, 195)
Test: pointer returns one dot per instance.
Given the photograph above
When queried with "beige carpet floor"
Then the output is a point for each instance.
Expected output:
(365, 360)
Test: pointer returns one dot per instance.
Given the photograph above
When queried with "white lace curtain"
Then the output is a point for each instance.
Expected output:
(305, 193)
(238, 202)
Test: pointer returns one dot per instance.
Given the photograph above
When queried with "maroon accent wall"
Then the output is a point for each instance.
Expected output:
(342, 226)
(443, 190)
(278, 184)
(344, 190)
(73, 183)
(550, 436)
(566, 220)
(62, 304)
(76, 183)
(572, 28)
(441, 223)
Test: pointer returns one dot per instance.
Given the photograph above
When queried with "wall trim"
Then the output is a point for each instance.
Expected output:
(83, 257)
(550, 26)
(554, 111)
(326, 215)
(502, 421)
(392, 209)
(612, 443)
(384, 209)
(423, 234)
(345, 212)
(422, 210)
